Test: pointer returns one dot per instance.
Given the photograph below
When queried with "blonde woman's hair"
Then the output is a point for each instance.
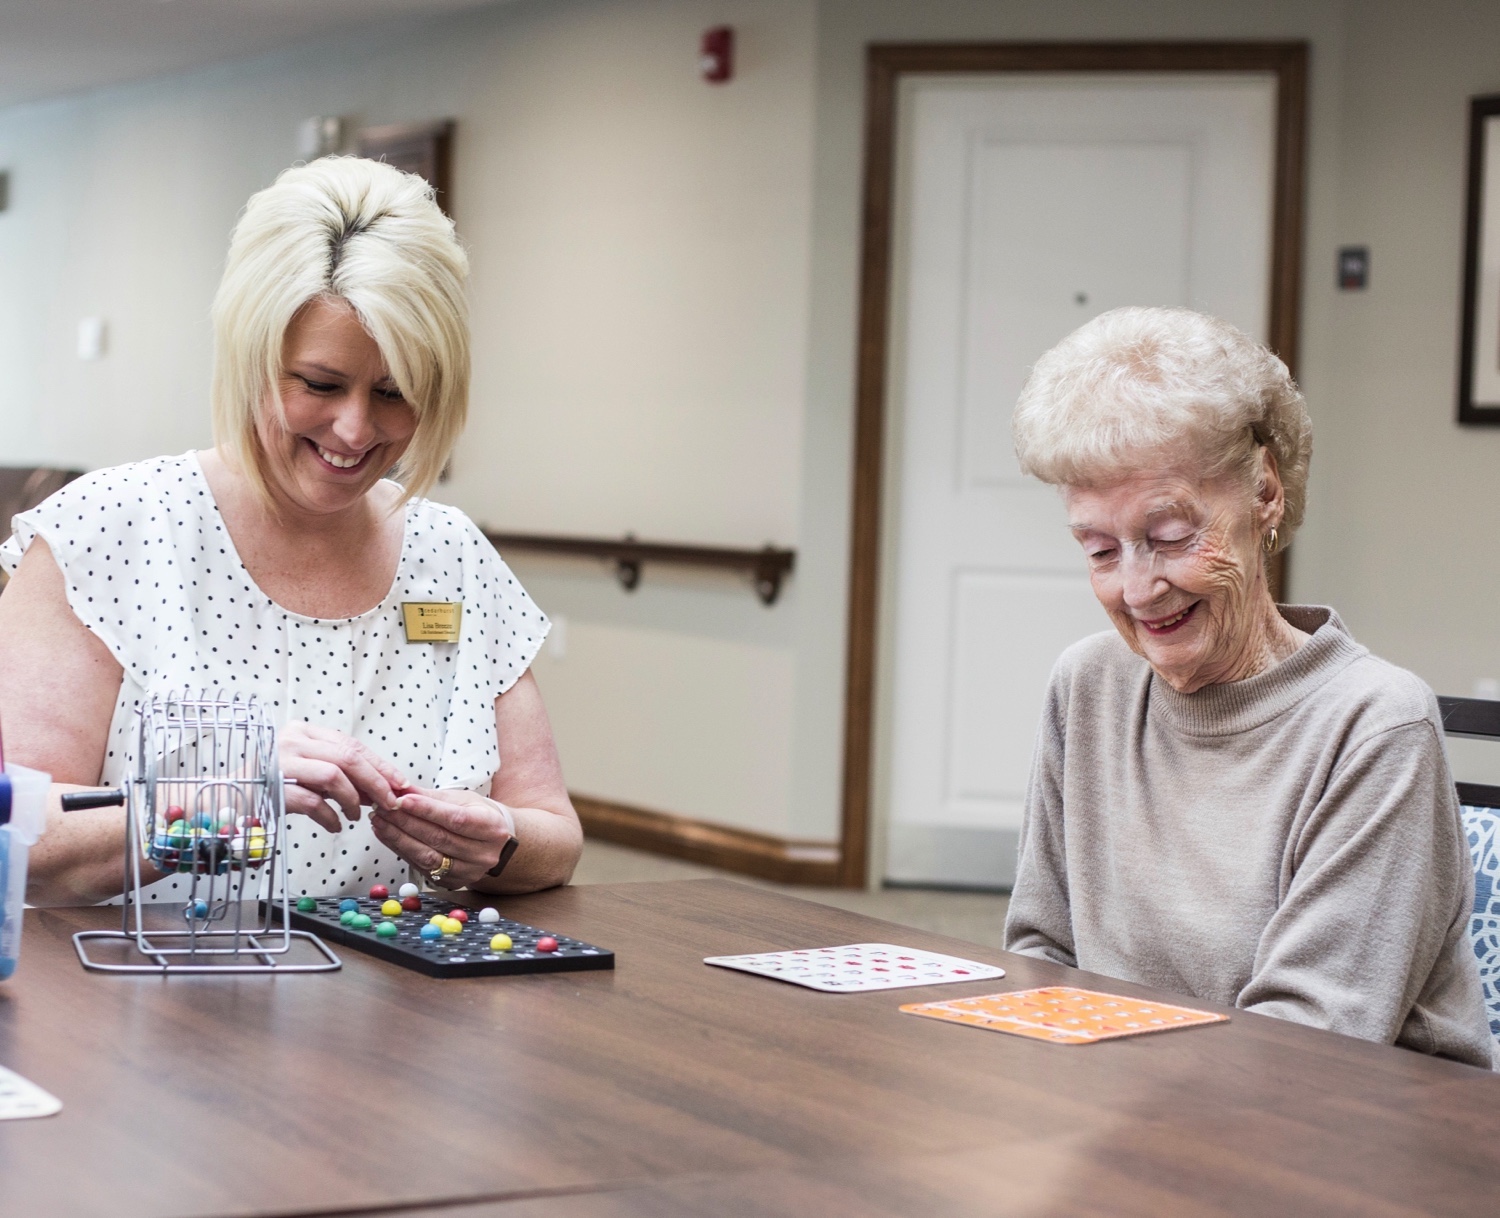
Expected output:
(1137, 383)
(362, 232)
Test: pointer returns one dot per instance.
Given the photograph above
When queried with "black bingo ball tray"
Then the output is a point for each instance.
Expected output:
(466, 954)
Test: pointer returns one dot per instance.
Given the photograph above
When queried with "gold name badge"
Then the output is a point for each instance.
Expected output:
(432, 621)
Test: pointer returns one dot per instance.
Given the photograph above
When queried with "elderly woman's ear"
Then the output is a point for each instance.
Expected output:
(1270, 499)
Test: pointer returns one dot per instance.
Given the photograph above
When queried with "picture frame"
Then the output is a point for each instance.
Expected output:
(425, 149)
(1479, 347)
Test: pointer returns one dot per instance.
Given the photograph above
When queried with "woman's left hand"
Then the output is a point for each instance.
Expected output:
(462, 826)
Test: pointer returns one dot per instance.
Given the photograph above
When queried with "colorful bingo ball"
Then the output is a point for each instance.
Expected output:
(175, 813)
(451, 926)
(347, 917)
(379, 892)
(258, 847)
(488, 915)
(459, 915)
(306, 905)
(408, 890)
(386, 930)
(348, 903)
(546, 944)
(412, 904)
(437, 920)
(203, 821)
(430, 932)
(501, 943)
(391, 909)
(179, 830)
(360, 921)
(198, 909)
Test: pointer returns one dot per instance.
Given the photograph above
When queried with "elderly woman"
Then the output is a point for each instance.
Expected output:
(1230, 799)
(277, 564)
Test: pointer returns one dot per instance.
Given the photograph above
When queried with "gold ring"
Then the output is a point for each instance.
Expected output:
(436, 875)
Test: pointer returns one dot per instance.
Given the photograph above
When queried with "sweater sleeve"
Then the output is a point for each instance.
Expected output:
(1370, 938)
(1039, 921)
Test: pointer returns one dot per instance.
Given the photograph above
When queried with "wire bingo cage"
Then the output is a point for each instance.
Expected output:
(203, 799)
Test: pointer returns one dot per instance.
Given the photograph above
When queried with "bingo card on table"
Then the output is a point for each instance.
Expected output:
(860, 966)
(1063, 1015)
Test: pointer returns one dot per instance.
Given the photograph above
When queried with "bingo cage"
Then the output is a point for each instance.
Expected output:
(203, 799)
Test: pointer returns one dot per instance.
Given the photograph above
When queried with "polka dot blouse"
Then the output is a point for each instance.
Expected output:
(151, 570)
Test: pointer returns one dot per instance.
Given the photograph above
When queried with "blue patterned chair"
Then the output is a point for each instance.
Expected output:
(1482, 828)
(1480, 805)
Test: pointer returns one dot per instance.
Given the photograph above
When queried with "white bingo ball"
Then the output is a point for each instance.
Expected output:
(407, 890)
(489, 915)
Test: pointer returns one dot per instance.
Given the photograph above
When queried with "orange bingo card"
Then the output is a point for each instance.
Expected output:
(1063, 1015)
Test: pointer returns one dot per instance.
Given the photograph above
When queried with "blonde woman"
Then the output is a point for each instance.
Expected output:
(277, 562)
(1230, 798)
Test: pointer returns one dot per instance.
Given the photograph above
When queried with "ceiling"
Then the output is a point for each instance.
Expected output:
(51, 47)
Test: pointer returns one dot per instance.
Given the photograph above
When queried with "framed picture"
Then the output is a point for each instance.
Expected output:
(425, 149)
(1479, 358)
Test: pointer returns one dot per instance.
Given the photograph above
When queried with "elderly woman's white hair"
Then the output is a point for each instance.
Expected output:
(1137, 383)
(373, 236)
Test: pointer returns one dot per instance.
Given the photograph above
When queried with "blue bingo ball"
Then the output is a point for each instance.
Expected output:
(198, 909)
(203, 821)
(347, 904)
(431, 932)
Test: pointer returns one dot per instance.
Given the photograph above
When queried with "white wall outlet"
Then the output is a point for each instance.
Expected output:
(1488, 688)
(91, 338)
(557, 638)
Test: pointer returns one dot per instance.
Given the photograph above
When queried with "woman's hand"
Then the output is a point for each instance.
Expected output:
(464, 827)
(328, 765)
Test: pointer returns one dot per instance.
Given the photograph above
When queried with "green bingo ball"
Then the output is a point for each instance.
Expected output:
(306, 905)
(347, 917)
(360, 922)
(386, 930)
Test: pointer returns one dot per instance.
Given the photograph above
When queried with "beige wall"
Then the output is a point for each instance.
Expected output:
(664, 288)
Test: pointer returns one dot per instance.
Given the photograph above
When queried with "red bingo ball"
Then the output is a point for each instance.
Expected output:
(411, 904)
(546, 944)
(379, 892)
(175, 813)
(461, 915)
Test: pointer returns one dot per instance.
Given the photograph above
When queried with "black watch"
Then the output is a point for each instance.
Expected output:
(505, 852)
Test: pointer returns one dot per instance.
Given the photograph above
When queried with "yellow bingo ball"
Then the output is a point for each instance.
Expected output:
(391, 909)
(438, 920)
(500, 943)
(450, 926)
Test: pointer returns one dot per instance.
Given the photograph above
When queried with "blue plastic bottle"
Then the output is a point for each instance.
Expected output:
(23, 816)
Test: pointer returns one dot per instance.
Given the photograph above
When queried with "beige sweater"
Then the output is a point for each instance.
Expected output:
(1289, 844)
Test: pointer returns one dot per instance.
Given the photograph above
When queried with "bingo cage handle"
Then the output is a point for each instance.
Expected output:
(77, 801)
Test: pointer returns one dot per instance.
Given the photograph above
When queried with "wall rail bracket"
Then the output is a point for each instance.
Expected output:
(768, 567)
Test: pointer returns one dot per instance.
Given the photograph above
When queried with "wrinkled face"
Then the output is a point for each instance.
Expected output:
(346, 422)
(1175, 560)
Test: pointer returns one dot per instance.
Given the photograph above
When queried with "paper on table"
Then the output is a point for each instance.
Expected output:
(860, 966)
(21, 1098)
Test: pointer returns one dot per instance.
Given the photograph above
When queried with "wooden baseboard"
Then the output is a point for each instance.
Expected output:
(757, 854)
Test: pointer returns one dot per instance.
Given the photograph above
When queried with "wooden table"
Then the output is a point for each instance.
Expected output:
(667, 1087)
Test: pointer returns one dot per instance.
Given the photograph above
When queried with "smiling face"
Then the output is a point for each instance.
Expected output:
(346, 421)
(1175, 559)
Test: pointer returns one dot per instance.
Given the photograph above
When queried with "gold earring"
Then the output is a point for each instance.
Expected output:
(1271, 540)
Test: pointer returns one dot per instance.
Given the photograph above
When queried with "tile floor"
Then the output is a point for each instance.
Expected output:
(976, 916)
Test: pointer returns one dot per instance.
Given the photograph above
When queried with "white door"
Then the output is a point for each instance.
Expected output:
(1026, 205)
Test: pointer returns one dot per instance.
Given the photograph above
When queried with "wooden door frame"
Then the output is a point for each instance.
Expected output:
(885, 67)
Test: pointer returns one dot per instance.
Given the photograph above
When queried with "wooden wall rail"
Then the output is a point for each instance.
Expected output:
(697, 841)
(768, 567)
